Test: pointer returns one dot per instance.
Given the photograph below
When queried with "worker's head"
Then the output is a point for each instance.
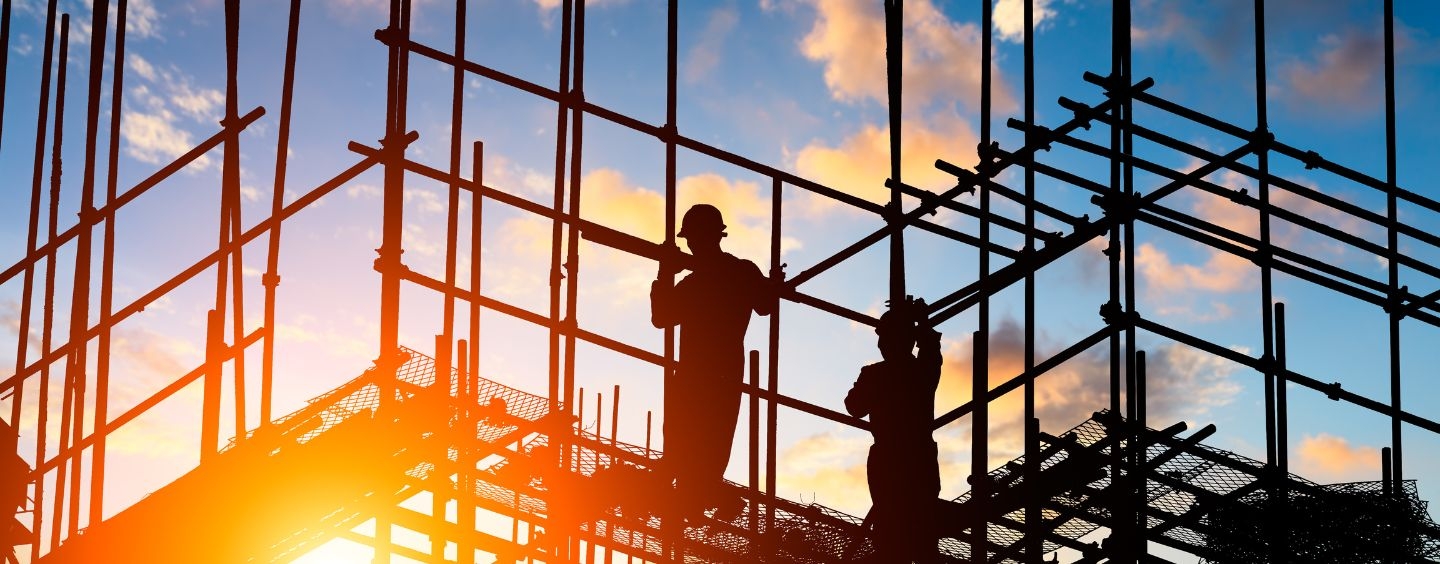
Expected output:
(702, 228)
(896, 330)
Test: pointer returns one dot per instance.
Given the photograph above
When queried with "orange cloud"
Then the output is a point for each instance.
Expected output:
(940, 57)
(829, 468)
(1328, 458)
(521, 256)
(860, 164)
(1222, 272)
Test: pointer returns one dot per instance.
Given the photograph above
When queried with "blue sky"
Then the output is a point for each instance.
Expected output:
(794, 84)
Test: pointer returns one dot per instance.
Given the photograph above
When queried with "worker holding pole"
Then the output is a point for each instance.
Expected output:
(712, 307)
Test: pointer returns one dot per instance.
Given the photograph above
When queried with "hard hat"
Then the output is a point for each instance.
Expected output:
(701, 219)
(902, 317)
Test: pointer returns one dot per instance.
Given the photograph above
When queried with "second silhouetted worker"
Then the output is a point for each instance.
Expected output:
(898, 394)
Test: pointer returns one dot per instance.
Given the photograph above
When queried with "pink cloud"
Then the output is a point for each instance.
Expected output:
(1345, 74)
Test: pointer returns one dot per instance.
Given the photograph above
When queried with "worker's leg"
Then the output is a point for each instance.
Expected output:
(682, 429)
(922, 489)
(888, 522)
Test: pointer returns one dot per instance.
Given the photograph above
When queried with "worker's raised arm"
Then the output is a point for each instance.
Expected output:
(860, 401)
(929, 359)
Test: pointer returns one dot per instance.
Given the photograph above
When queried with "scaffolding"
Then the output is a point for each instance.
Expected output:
(435, 425)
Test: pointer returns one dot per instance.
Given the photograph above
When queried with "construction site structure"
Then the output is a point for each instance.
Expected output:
(414, 424)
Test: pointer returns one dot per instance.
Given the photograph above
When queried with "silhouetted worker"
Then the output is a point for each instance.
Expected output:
(898, 393)
(712, 306)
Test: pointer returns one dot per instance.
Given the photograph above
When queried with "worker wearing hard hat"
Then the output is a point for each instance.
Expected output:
(712, 306)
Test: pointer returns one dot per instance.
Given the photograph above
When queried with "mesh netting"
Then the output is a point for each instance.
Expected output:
(522, 456)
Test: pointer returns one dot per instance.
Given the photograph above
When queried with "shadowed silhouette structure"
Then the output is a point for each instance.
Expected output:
(355, 462)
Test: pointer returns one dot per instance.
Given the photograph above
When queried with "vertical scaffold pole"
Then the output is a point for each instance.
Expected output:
(67, 384)
(271, 278)
(389, 262)
(572, 237)
(1034, 541)
(665, 276)
(980, 372)
(772, 386)
(979, 479)
(556, 234)
(1122, 271)
(230, 184)
(452, 207)
(4, 57)
(894, 64)
(1393, 245)
(84, 254)
(107, 274)
(22, 346)
(1282, 415)
(393, 199)
(48, 316)
(465, 505)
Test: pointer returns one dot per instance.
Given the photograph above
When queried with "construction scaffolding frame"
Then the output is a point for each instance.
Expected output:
(1012, 523)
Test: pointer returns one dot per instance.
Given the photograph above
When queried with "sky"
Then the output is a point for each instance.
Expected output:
(798, 85)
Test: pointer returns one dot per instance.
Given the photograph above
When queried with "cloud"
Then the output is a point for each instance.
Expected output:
(1219, 31)
(1173, 286)
(201, 105)
(549, 6)
(154, 138)
(940, 58)
(158, 109)
(150, 359)
(1246, 221)
(860, 164)
(1181, 384)
(705, 55)
(747, 213)
(10, 322)
(1009, 18)
(1346, 73)
(361, 190)
(140, 66)
(1326, 458)
(609, 198)
(1222, 272)
(142, 363)
(329, 336)
(829, 467)
(378, 6)
(142, 21)
(505, 174)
